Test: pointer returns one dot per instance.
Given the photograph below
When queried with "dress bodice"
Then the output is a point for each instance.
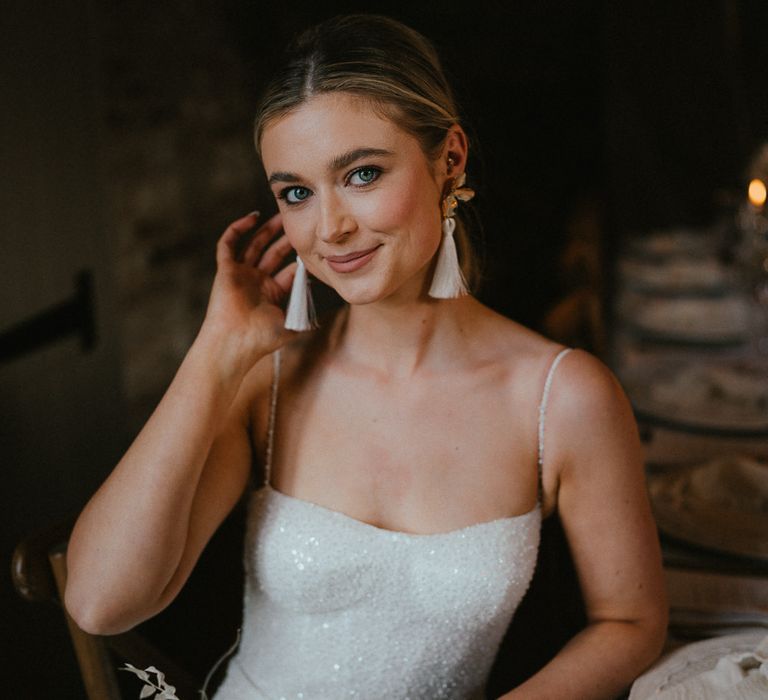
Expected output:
(337, 608)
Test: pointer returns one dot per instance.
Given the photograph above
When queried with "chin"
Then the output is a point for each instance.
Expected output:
(359, 296)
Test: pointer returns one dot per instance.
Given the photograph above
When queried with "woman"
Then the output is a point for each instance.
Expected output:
(395, 524)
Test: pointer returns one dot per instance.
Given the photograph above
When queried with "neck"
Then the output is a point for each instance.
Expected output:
(400, 339)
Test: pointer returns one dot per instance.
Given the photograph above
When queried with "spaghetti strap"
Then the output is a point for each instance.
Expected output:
(543, 413)
(272, 416)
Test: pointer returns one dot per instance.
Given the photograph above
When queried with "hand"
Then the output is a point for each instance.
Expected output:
(244, 304)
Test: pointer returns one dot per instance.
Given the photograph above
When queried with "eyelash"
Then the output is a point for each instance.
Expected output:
(283, 194)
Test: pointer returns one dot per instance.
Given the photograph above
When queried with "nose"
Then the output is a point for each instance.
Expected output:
(335, 221)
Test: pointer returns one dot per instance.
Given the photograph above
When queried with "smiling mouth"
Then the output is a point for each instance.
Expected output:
(351, 261)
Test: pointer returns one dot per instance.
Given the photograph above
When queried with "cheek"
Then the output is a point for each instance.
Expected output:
(418, 210)
(299, 230)
(296, 231)
(409, 207)
(402, 204)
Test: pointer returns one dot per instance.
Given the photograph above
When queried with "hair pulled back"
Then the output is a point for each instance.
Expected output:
(390, 65)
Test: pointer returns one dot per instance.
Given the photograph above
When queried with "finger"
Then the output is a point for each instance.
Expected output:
(274, 255)
(284, 278)
(256, 245)
(261, 239)
(277, 288)
(226, 247)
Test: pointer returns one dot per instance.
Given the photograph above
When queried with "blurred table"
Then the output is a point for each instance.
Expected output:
(690, 347)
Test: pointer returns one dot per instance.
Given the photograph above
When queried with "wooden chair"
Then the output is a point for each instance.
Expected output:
(39, 573)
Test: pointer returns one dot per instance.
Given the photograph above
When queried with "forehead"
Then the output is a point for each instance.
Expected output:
(326, 126)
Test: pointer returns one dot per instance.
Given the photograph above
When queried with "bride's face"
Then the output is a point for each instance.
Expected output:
(359, 200)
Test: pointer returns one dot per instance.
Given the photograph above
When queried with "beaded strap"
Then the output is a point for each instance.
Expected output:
(272, 416)
(543, 413)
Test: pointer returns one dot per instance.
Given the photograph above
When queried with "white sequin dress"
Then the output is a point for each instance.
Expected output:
(337, 608)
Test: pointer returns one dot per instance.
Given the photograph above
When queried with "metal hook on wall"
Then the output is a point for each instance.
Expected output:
(74, 316)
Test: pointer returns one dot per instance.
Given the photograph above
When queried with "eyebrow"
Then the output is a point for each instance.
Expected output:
(338, 163)
(346, 159)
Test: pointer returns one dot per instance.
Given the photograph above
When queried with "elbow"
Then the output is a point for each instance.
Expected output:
(86, 601)
(655, 629)
(661, 631)
(92, 615)
(101, 604)
(102, 611)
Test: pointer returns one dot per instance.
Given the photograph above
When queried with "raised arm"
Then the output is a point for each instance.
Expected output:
(139, 536)
(595, 463)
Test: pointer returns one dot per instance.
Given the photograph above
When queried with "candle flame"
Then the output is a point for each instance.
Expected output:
(757, 192)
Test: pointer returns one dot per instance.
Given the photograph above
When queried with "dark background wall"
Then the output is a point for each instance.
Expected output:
(127, 149)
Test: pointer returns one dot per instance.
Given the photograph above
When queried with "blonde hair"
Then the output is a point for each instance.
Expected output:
(384, 62)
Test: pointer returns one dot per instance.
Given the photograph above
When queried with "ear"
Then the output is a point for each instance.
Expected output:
(455, 148)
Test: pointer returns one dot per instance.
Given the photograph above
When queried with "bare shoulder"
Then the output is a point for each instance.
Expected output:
(515, 345)
(588, 390)
(521, 359)
(591, 417)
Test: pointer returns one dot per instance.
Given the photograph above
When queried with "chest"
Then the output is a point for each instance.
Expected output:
(423, 456)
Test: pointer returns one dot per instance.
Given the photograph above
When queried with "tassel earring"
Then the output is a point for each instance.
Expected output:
(448, 281)
(300, 315)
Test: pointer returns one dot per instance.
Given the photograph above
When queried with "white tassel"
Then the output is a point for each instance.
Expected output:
(448, 282)
(300, 315)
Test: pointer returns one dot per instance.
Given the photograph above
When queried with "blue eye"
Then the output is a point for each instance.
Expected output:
(364, 176)
(294, 195)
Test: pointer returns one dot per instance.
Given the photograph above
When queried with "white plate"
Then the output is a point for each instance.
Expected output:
(720, 505)
(673, 242)
(723, 320)
(677, 276)
(701, 395)
(692, 660)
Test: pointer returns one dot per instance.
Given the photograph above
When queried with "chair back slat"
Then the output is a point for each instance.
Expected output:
(30, 568)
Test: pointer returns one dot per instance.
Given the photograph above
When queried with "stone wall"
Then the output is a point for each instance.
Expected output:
(180, 165)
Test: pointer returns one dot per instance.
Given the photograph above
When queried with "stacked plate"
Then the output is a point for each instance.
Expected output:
(725, 667)
(704, 321)
(721, 505)
(677, 276)
(664, 244)
(710, 397)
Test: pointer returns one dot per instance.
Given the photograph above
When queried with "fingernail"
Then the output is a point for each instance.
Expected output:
(255, 212)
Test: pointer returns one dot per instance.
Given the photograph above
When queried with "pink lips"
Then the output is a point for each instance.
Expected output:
(351, 261)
